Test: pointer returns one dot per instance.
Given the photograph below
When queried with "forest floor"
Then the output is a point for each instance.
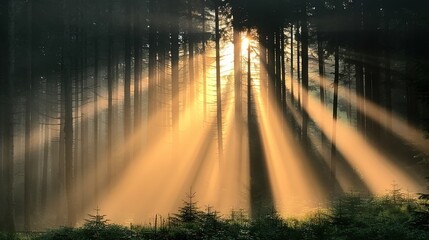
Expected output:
(351, 217)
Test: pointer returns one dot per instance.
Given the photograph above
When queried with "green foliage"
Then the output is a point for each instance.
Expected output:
(189, 212)
(421, 213)
(271, 226)
(351, 217)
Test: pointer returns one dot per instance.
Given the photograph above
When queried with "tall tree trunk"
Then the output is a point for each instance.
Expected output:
(46, 146)
(28, 167)
(163, 40)
(298, 64)
(321, 62)
(68, 121)
(84, 118)
(278, 73)
(304, 37)
(175, 75)
(137, 65)
(7, 92)
(334, 126)
(95, 109)
(191, 53)
(110, 76)
(218, 88)
(387, 67)
(291, 64)
(283, 68)
(203, 43)
(127, 79)
(271, 65)
(152, 98)
(263, 62)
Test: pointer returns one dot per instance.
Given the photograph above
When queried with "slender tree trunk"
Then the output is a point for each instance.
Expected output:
(203, 15)
(28, 177)
(321, 61)
(304, 38)
(191, 53)
(278, 74)
(127, 79)
(137, 65)
(387, 67)
(46, 146)
(218, 88)
(175, 75)
(271, 64)
(7, 93)
(292, 97)
(283, 68)
(298, 63)
(84, 118)
(95, 110)
(152, 98)
(163, 40)
(68, 121)
(110, 76)
(334, 126)
(263, 63)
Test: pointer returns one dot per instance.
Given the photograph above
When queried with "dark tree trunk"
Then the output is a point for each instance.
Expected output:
(28, 167)
(218, 88)
(127, 78)
(137, 64)
(298, 63)
(271, 65)
(175, 75)
(304, 39)
(68, 121)
(203, 43)
(291, 64)
(7, 94)
(191, 53)
(321, 62)
(278, 63)
(283, 68)
(263, 79)
(334, 116)
(110, 76)
(84, 118)
(152, 98)
(95, 110)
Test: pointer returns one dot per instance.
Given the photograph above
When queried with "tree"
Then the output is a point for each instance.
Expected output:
(304, 52)
(7, 93)
(68, 121)
(189, 212)
(218, 87)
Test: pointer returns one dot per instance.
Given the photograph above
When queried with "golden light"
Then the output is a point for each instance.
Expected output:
(244, 45)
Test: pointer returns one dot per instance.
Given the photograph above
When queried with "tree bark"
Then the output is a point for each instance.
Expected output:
(127, 79)
(304, 38)
(218, 88)
(68, 121)
(7, 94)
(175, 75)
(28, 168)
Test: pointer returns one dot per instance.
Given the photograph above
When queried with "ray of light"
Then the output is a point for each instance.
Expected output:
(377, 171)
(294, 183)
(383, 117)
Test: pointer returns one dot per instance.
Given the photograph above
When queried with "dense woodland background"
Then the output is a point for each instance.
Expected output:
(78, 78)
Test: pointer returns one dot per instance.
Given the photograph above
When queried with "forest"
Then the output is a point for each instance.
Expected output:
(301, 116)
